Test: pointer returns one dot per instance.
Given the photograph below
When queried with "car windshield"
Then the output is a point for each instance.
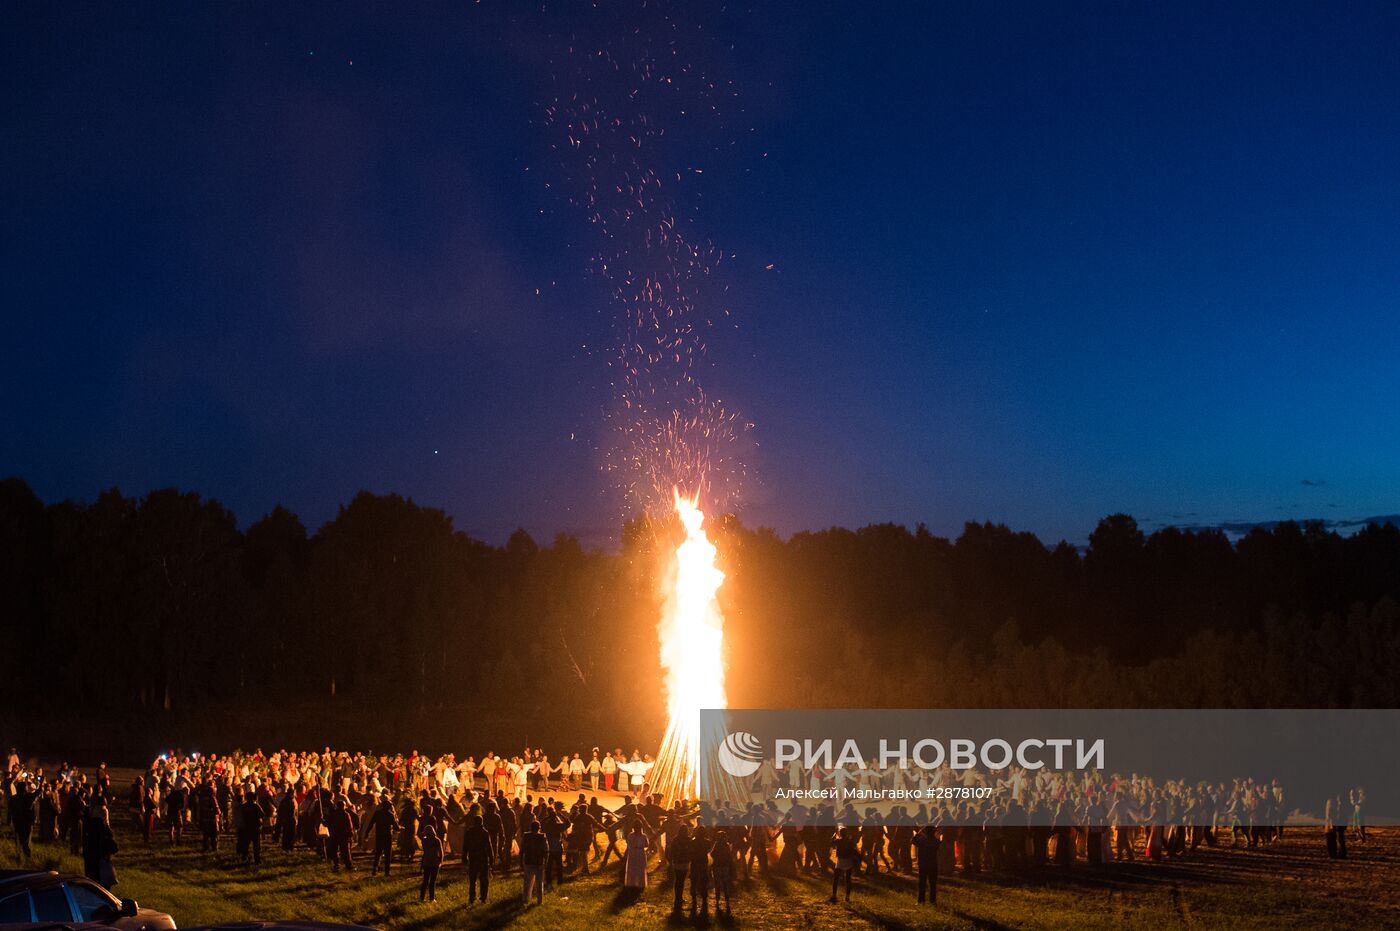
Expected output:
(93, 904)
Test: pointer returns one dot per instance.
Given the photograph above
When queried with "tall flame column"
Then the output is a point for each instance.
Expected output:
(692, 638)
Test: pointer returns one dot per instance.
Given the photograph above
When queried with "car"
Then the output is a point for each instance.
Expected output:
(54, 900)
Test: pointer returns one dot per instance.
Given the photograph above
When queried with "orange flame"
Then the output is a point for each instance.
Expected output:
(692, 638)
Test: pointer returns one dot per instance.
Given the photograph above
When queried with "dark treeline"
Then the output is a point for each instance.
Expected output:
(134, 609)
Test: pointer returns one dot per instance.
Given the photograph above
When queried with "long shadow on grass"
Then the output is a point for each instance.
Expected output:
(626, 897)
(875, 918)
(496, 915)
(776, 883)
(982, 924)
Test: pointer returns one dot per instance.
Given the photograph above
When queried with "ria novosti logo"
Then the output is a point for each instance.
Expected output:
(741, 754)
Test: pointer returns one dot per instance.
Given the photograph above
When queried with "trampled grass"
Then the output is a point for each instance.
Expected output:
(1291, 884)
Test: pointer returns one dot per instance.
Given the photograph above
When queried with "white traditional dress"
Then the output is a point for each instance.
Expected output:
(635, 873)
(636, 771)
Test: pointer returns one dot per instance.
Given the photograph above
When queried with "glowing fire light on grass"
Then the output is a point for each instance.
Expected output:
(692, 639)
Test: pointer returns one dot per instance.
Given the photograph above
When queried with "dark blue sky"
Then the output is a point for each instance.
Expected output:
(1029, 265)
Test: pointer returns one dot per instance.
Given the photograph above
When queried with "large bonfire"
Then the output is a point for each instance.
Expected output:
(692, 639)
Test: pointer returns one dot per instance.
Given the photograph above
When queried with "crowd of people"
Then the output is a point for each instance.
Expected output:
(66, 808)
(545, 818)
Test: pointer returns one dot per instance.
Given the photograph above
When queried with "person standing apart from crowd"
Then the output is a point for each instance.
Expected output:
(533, 850)
(99, 846)
(476, 844)
(432, 862)
(634, 874)
(847, 851)
(927, 844)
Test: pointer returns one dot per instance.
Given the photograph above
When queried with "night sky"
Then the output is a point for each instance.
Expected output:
(1029, 263)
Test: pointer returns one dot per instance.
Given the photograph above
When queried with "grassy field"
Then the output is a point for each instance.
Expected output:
(1290, 885)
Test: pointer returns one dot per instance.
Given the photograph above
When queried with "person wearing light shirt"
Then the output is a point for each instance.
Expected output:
(609, 770)
(466, 772)
(767, 777)
(594, 769)
(520, 775)
(488, 769)
(576, 773)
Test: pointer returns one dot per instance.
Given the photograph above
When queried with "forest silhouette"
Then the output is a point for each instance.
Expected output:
(139, 620)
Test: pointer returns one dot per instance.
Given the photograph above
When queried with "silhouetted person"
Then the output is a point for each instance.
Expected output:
(22, 814)
(250, 832)
(408, 830)
(209, 821)
(432, 862)
(98, 848)
(287, 819)
(495, 828)
(342, 829)
(533, 850)
(583, 828)
(1336, 828)
(847, 851)
(509, 826)
(175, 814)
(722, 870)
(678, 855)
(78, 813)
(700, 845)
(926, 845)
(384, 823)
(476, 845)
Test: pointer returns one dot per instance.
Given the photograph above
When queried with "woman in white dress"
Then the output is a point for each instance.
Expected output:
(520, 773)
(634, 874)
